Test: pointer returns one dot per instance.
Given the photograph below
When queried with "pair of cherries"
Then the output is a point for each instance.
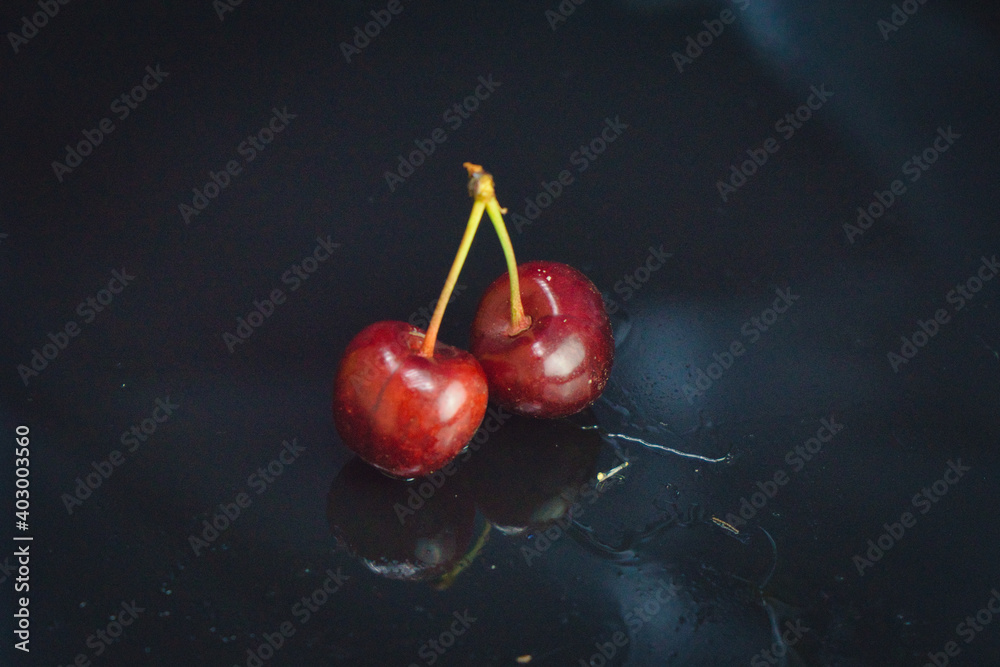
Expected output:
(541, 346)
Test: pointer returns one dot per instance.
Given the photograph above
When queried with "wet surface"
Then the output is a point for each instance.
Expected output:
(794, 461)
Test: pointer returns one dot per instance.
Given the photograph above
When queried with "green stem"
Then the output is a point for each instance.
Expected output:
(427, 349)
(518, 320)
(448, 578)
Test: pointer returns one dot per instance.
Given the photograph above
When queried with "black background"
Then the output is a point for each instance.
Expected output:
(324, 176)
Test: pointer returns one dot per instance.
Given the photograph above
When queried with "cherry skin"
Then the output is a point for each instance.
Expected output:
(561, 363)
(406, 414)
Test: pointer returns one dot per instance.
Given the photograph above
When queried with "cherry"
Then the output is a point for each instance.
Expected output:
(407, 404)
(406, 414)
(403, 402)
(561, 362)
(546, 348)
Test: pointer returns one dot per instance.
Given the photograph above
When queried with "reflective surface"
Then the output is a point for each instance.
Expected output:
(788, 208)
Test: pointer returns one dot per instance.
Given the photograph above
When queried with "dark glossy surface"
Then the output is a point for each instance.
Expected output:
(405, 414)
(393, 530)
(535, 473)
(619, 145)
(561, 363)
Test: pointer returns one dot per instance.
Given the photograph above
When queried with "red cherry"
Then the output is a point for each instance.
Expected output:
(561, 363)
(404, 413)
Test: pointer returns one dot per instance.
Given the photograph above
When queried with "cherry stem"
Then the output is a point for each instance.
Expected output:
(427, 349)
(481, 187)
(518, 320)
(485, 199)
(448, 578)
